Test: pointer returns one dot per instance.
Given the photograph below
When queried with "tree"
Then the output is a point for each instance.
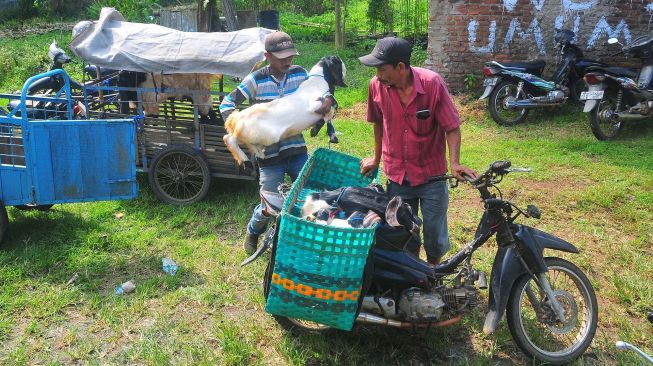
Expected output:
(207, 17)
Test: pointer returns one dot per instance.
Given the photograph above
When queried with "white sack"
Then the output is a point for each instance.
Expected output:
(115, 43)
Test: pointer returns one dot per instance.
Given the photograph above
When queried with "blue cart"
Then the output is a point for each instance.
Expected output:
(49, 157)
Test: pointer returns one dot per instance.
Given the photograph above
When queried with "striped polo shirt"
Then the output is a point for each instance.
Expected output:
(261, 87)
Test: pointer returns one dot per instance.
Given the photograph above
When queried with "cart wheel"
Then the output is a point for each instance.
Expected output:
(4, 221)
(179, 175)
(30, 207)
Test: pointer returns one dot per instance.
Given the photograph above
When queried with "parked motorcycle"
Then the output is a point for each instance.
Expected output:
(614, 96)
(52, 84)
(516, 87)
(550, 304)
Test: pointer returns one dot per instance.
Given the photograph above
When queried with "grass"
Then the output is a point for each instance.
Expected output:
(596, 195)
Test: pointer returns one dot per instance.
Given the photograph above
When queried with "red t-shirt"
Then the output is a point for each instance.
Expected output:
(413, 148)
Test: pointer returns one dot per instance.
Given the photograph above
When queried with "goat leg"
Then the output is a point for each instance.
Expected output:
(331, 131)
(232, 144)
(317, 127)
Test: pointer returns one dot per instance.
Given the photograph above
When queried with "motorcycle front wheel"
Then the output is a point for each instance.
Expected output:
(506, 92)
(534, 325)
(604, 126)
(293, 325)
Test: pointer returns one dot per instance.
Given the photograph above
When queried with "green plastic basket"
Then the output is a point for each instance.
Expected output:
(318, 269)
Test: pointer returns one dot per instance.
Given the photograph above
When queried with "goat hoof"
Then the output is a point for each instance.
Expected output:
(334, 139)
(247, 166)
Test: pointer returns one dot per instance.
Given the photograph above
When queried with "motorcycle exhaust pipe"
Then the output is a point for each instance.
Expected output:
(529, 103)
(367, 318)
(622, 116)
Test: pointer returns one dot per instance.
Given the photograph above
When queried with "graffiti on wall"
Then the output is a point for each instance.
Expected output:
(569, 12)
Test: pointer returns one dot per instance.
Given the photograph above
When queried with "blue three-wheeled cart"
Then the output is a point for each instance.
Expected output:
(49, 157)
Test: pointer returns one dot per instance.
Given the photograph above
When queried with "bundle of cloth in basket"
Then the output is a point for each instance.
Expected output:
(360, 207)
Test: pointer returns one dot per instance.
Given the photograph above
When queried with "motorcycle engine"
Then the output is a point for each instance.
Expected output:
(418, 305)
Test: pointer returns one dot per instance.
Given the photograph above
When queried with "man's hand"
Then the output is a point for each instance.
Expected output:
(368, 165)
(327, 103)
(458, 170)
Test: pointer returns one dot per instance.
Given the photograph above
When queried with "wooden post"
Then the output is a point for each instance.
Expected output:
(339, 35)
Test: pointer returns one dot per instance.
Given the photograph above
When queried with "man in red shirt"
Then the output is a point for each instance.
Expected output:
(414, 121)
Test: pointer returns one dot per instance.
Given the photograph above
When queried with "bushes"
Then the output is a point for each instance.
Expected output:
(133, 10)
(315, 28)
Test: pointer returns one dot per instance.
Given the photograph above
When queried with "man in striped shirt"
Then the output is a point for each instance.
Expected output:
(279, 78)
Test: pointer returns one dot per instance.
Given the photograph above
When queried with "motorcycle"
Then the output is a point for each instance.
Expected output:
(550, 305)
(516, 87)
(47, 86)
(614, 96)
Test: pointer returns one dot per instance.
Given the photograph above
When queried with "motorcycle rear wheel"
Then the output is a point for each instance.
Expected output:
(293, 325)
(505, 91)
(535, 327)
(603, 126)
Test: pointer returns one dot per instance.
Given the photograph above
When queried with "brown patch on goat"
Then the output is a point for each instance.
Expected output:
(230, 123)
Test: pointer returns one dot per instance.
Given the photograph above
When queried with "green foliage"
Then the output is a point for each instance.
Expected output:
(470, 82)
(313, 28)
(379, 12)
(23, 10)
(133, 10)
(418, 56)
(27, 56)
(51, 9)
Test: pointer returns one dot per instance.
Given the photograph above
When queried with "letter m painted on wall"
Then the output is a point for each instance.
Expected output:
(602, 27)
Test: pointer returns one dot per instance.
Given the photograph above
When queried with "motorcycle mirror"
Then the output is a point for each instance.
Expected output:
(613, 41)
(533, 211)
(500, 165)
(62, 58)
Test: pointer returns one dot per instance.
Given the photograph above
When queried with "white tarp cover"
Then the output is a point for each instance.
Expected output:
(115, 43)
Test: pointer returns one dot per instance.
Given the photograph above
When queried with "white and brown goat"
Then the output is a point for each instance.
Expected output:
(265, 124)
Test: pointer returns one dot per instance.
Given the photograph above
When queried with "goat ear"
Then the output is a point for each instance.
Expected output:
(336, 69)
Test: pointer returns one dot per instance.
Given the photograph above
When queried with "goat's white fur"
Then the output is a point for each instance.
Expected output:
(198, 87)
(312, 206)
(265, 124)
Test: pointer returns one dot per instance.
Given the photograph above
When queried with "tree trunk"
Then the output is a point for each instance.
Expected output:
(229, 15)
(388, 17)
(205, 16)
(339, 37)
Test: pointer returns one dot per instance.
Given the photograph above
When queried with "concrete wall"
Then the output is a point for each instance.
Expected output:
(463, 34)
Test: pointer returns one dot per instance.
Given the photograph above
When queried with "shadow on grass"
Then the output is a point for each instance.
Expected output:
(382, 345)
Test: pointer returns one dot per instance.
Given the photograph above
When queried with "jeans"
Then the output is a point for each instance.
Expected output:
(269, 179)
(433, 198)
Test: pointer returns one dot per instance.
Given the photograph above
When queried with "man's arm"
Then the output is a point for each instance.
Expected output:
(368, 165)
(374, 115)
(246, 91)
(453, 138)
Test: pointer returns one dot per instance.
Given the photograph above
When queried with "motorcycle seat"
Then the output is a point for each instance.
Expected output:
(623, 71)
(91, 70)
(533, 67)
(614, 70)
(36, 109)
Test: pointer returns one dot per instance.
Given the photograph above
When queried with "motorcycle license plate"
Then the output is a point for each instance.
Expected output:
(490, 82)
(591, 95)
